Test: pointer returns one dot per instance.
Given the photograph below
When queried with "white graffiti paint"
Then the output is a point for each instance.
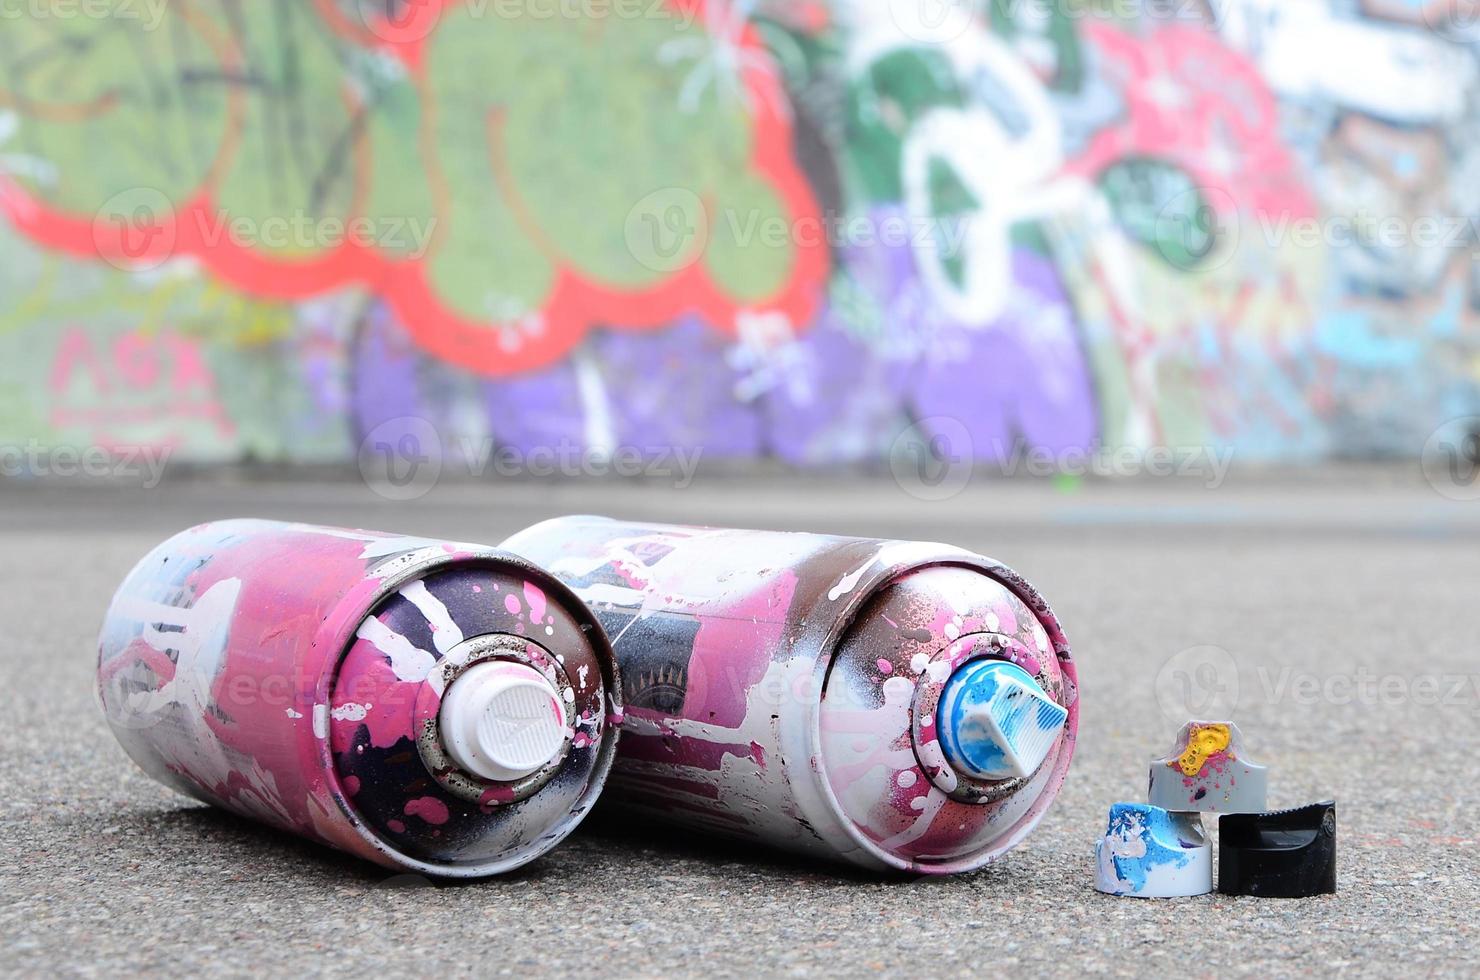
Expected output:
(1395, 72)
(408, 661)
(445, 633)
(1007, 167)
(197, 637)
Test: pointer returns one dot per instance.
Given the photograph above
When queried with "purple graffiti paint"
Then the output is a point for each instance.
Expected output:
(845, 400)
(687, 394)
(430, 706)
(792, 688)
(385, 363)
(1035, 338)
(686, 398)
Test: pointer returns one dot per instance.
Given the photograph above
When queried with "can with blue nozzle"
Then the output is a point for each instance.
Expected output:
(893, 704)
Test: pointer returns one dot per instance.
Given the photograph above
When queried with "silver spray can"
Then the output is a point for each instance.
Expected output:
(897, 705)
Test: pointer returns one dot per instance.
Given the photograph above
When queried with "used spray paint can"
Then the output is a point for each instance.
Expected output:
(893, 704)
(433, 707)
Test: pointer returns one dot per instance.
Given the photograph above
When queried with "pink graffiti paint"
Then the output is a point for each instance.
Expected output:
(142, 381)
(307, 677)
(1195, 101)
(783, 688)
(428, 808)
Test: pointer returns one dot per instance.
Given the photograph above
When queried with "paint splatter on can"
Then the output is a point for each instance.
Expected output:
(796, 689)
(437, 707)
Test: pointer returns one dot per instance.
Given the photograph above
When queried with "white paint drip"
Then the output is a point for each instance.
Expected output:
(408, 662)
(932, 755)
(849, 582)
(929, 806)
(445, 633)
(350, 711)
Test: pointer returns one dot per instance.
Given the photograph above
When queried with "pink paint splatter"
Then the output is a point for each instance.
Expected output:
(536, 599)
(494, 796)
(511, 603)
(396, 826)
(351, 785)
(429, 808)
(885, 667)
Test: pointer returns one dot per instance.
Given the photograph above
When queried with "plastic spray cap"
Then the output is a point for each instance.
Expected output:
(1284, 854)
(995, 722)
(1149, 853)
(1209, 771)
(502, 721)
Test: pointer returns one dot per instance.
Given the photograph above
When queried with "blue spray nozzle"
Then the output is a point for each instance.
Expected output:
(995, 722)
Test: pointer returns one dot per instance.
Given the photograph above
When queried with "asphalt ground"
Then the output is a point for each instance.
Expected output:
(1345, 599)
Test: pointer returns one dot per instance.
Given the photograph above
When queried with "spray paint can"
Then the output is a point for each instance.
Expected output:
(893, 704)
(433, 707)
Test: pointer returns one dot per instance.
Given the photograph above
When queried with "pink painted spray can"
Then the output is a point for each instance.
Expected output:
(896, 705)
(433, 707)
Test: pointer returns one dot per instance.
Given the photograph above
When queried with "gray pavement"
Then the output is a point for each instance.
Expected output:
(1347, 599)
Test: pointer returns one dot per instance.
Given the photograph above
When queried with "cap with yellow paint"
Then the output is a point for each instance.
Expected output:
(1208, 771)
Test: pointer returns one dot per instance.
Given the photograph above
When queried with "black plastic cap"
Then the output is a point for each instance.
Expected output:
(1284, 854)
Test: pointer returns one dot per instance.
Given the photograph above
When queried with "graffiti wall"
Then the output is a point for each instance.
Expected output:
(274, 229)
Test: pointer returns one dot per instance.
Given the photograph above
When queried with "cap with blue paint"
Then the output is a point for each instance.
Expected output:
(1148, 852)
(994, 722)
